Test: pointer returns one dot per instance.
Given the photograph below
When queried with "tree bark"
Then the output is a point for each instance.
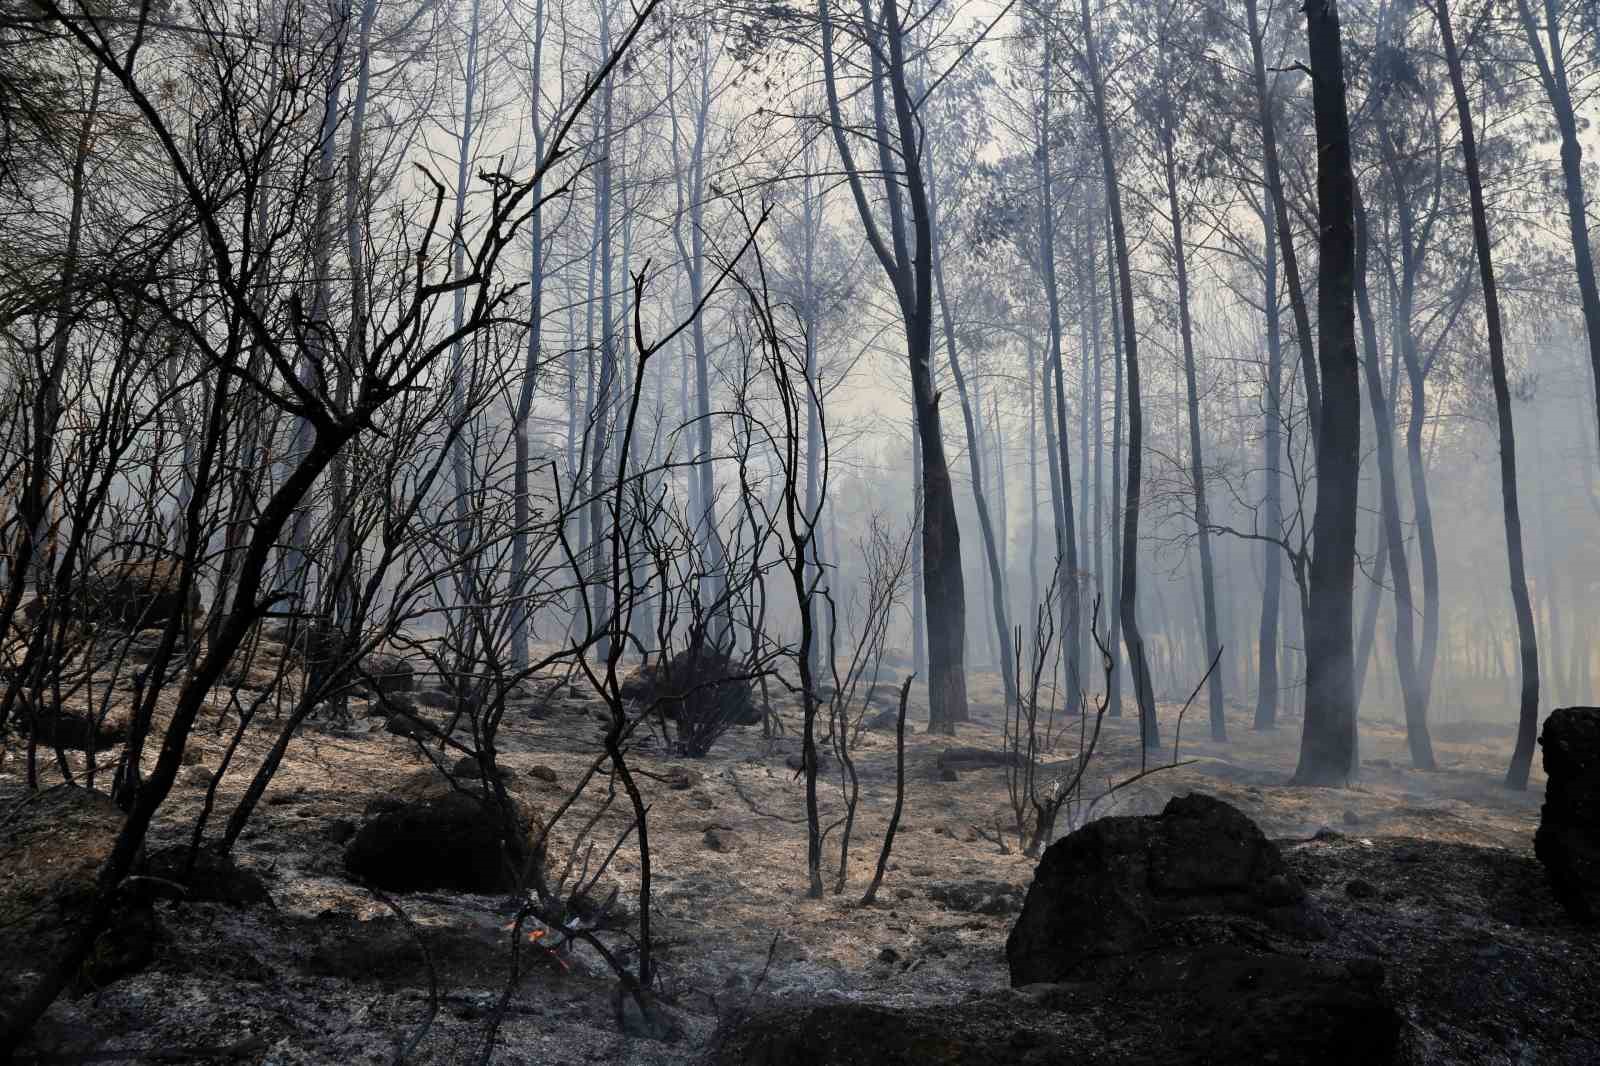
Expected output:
(1553, 75)
(1128, 593)
(908, 265)
(1267, 683)
(1528, 727)
(1280, 207)
(1328, 740)
(1197, 468)
(1002, 624)
(1416, 709)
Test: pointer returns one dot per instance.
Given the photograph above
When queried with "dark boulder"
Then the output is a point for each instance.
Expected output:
(138, 594)
(1568, 839)
(1126, 884)
(211, 877)
(75, 728)
(51, 853)
(389, 674)
(433, 832)
(979, 896)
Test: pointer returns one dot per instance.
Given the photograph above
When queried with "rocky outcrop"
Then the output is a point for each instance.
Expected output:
(1568, 838)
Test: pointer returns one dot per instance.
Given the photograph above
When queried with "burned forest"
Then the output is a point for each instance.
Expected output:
(838, 533)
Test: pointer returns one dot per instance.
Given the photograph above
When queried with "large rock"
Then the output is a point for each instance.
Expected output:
(204, 876)
(141, 594)
(51, 852)
(389, 673)
(1568, 838)
(76, 728)
(435, 832)
(1126, 884)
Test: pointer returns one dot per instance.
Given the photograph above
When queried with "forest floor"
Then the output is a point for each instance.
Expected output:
(329, 974)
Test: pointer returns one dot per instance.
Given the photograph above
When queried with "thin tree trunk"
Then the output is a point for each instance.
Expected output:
(1553, 75)
(1066, 537)
(460, 460)
(1197, 469)
(1393, 539)
(1522, 758)
(1114, 621)
(1280, 208)
(908, 265)
(522, 514)
(1328, 740)
(1002, 624)
(1267, 683)
(1128, 594)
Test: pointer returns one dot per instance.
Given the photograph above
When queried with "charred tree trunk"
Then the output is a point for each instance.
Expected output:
(1002, 624)
(1197, 469)
(1267, 683)
(1280, 208)
(1553, 75)
(907, 262)
(1328, 740)
(1416, 709)
(1522, 758)
(1128, 593)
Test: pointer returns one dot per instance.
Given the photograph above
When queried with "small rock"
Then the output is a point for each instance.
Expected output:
(434, 698)
(206, 876)
(903, 893)
(921, 871)
(720, 839)
(193, 755)
(681, 778)
(541, 772)
(390, 673)
(947, 773)
(196, 776)
(883, 722)
(652, 1023)
(339, 830)
(978, 896)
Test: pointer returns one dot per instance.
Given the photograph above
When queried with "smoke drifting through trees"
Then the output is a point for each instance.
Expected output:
(582, 336)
